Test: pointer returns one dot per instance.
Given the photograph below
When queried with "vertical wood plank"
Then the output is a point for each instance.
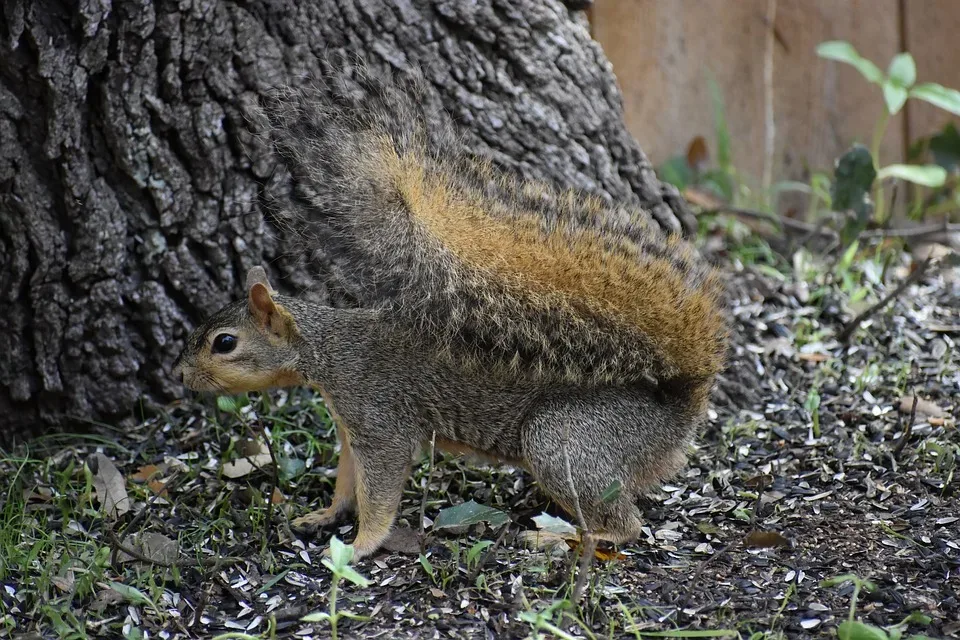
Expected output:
(661, 51)
(933, 37)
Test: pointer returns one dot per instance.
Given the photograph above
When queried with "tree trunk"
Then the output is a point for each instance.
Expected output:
(130, 205)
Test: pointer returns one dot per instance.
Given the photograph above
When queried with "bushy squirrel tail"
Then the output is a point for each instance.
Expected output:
(507, 274)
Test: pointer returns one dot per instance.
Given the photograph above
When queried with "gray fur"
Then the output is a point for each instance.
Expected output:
(391, 398)
(327, 139)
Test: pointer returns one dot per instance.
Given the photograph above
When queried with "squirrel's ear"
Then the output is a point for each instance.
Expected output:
(269, 315)
(257, 275)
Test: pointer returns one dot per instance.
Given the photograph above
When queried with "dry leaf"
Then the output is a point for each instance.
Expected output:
(702, 199)
(924, 407)
(610, 554)
(757, 539)
(403, 540)
(106, 597)
(249, 447)
(147, 473)
(932, 250)
(153, 546)
(109, 484)
(545, 540)
(158, 488)
(64, 583)
(244, 466)
(813, 357)
(697, 153)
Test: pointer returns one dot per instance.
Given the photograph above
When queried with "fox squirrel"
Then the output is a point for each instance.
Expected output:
(498, 315)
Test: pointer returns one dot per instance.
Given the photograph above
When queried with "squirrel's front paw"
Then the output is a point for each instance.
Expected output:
(316, 519)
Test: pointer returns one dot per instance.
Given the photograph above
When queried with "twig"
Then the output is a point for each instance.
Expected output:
(426, 492)
(703, 565)
(782, 221)
(850, 327)
(587, 552)
(198, 610)
(589, 546)
(908, 429)
(180, 562)
(472, 576)
(818, 229)
(920, 231)
(274, 477)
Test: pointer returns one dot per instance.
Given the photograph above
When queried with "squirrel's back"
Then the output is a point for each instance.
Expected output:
(510, 274)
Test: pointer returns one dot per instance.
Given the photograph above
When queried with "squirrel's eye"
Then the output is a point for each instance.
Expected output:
(224, 343)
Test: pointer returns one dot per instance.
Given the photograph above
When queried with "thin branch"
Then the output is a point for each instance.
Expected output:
(274, 476)
(589, 542)
(850, 327)
(587, 553)
(818, 229)
(485, 558)
(781, 221)
(217, 562)
(426, 491)
(920, 231)
(908, 429)
(709, 560)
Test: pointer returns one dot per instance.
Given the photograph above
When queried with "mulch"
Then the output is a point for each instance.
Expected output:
(741, 539)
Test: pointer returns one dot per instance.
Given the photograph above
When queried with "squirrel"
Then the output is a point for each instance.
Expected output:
(497, 316)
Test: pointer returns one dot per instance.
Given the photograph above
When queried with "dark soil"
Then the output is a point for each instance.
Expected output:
(874, 494)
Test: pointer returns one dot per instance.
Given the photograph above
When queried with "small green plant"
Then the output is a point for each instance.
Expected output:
(691, 168)
(853, 629)
(544, 620)
(339, 564)
(898, 85)
(859, 172)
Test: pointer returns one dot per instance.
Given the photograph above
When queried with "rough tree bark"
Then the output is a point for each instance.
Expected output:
(130, 205)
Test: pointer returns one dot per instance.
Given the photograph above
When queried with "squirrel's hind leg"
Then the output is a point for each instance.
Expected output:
(617, 442)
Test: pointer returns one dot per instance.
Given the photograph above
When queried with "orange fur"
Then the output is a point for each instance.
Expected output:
(569, 266)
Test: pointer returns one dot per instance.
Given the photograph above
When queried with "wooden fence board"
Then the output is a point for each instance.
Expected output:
(661, 51)
(932, 34)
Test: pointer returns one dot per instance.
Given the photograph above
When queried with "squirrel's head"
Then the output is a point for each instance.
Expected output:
(249, 345)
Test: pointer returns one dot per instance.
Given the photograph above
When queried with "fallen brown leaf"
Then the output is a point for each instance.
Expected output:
(109, 485)
(147, 473)
(153, 546)
(64, 583)
(609, 554)
(697, 153)
(546, 540)
(757, 539)
(244, 466)
(403, 540)
(924, 407)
